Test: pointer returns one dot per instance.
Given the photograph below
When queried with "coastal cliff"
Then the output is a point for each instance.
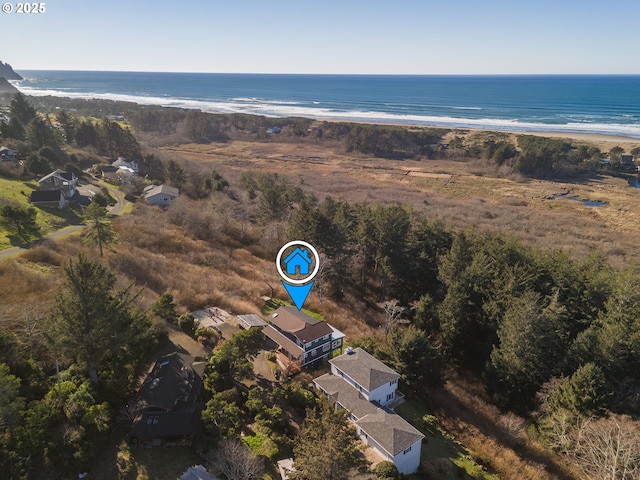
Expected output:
(6, 71)
(6, 87)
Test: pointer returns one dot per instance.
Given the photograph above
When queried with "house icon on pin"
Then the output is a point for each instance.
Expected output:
(298, 262)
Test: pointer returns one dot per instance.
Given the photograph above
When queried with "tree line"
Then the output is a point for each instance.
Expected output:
(95, 336)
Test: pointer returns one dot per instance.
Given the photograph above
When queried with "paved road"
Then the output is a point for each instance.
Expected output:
(116, 209)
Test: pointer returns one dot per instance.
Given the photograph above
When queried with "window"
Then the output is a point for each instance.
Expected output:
(326, 347)
(406, 451)
(313, 353)
(390, 396)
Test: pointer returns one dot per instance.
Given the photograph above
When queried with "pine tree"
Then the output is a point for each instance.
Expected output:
(99, 229)
(89, 322)
(328, 446)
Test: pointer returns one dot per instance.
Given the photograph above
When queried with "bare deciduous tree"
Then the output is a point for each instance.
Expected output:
(608, 448)
(393, 314)
(235, 461)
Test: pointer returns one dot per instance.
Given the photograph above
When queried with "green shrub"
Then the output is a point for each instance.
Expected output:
(386, 470)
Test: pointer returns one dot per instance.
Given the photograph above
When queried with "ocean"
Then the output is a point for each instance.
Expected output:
(604, 104)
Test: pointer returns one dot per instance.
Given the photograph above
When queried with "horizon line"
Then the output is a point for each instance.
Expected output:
(17, 70)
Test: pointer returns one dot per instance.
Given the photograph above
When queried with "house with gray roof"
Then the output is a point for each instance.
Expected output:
(161, 195)
(366, 388)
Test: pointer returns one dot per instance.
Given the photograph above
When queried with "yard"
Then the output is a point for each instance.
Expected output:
(448, 457)
(146, 463)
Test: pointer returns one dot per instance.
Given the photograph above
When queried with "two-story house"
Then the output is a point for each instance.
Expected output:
(302, 340)
(367, 388)
(66, 182)
(167, 408)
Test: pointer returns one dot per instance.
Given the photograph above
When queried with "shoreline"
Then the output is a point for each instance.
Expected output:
(591, 137)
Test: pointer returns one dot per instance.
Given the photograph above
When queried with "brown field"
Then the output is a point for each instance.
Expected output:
(460, 192)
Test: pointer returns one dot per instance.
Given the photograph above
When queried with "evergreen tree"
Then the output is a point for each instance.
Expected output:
(99, 230)
(20, 219)
(86, 134)
(411, 353)
(532, 345)
(21, 109)
(175, 174)
(583, 393)
(328, 446)
(233, 360)
(89, 322)
(166, 308)
(68, 124)
(39, 133)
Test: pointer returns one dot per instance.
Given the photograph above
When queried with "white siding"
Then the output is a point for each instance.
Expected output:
(373, 444)
(410, 461)
(384, 394)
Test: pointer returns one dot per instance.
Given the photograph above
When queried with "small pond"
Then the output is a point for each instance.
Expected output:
(575, 198)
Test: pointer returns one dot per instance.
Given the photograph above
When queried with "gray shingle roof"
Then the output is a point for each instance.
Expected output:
(390, 431)
(365, 369)
(161, 190)
(347, 396)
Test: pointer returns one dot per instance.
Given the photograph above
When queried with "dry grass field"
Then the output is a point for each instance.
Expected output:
(463, 193)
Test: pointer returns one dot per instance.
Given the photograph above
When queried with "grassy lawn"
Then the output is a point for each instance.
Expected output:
(438, 445)
(48, 219)
(277, 303)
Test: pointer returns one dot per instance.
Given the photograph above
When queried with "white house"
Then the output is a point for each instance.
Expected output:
(358, 382)
(161, 195)
(376, 381)
(124, 163)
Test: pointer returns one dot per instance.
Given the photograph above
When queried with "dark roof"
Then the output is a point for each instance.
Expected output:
(298, 323)
(109, 169)
(38, 196)
(186, 421)
(365, 369)
(173, 379)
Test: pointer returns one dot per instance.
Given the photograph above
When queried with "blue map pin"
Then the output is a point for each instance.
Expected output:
(298, 262)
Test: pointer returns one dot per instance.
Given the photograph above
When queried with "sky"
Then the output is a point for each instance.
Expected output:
(330, 36)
